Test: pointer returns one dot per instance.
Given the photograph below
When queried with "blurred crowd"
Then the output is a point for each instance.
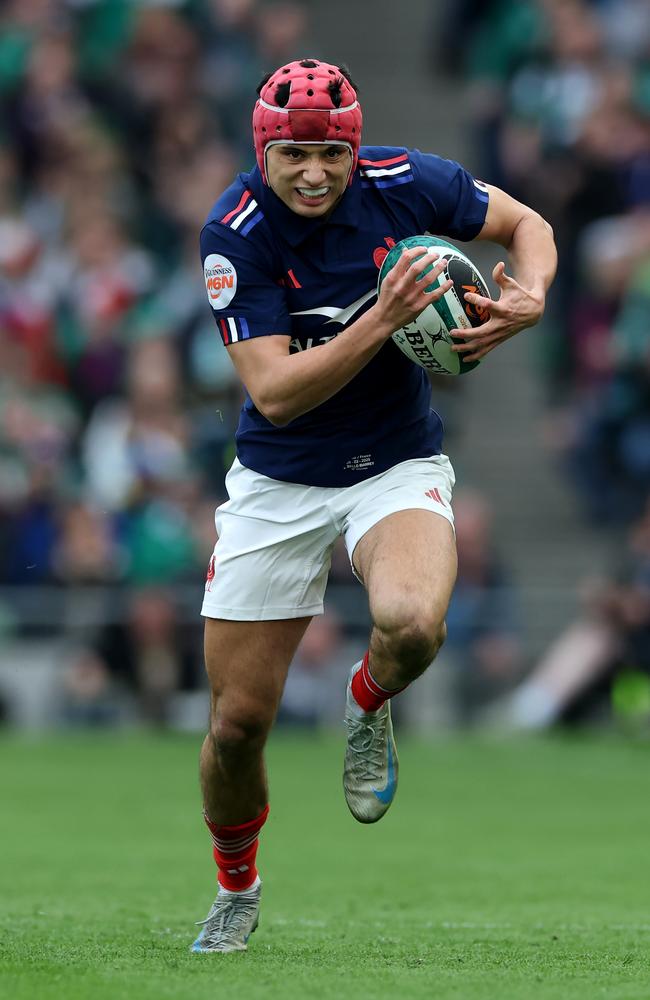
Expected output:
(120, 123)
(560, 98)
(560, 92)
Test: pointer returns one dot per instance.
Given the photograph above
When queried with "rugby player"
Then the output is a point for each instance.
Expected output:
(336, 436)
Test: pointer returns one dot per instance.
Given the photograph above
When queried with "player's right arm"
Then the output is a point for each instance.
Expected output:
(283, 386)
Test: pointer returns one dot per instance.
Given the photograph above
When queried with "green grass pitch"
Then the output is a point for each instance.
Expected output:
(514, 869)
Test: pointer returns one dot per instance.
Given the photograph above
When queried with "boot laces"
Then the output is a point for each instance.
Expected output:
(229, 918)
(367, 741)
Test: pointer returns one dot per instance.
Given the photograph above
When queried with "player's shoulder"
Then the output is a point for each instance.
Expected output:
(385, 166)
(389, 162)
(236, 224)
(390, 168)
(237, 209)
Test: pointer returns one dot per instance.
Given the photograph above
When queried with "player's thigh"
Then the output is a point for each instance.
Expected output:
(247, 665)
(408, 564)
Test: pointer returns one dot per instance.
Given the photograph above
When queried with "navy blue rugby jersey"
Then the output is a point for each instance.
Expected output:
(271, 271)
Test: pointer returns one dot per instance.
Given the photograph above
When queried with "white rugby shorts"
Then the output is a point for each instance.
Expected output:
(275, 539)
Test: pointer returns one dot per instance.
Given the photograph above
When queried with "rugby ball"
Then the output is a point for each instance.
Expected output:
(426, 339)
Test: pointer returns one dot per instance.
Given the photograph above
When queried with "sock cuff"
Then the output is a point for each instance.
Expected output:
(370, 682)
(235, 837)
(223, 891)
(366, 692)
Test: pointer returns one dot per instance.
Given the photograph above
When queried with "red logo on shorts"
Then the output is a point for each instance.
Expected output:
(210, 577)
(434, 493)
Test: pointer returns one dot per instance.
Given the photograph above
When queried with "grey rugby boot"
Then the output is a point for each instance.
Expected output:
(232, 919)
(370, 767)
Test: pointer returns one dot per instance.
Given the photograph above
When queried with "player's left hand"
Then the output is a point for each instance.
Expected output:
(514, 310)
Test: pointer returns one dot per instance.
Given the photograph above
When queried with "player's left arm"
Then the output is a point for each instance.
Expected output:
(528, 238)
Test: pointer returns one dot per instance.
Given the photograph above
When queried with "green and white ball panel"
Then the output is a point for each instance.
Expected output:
(426, 340)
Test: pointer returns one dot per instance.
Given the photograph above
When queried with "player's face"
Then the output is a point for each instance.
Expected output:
(309, 179)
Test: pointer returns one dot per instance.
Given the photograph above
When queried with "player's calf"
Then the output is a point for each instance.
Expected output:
(232, 760)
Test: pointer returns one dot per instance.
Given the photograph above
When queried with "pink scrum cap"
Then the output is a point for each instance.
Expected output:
(306, 101)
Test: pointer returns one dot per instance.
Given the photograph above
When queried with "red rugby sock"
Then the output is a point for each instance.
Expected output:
(368, 694)
(235, 849)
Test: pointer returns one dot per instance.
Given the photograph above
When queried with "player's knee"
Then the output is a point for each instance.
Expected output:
(236, 733)
(413, 638)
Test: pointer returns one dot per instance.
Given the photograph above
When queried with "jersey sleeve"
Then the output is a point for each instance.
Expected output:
(452, 202)
(246, 302)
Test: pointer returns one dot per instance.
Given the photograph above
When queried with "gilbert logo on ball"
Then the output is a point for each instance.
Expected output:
(426, 340)
(220, 280)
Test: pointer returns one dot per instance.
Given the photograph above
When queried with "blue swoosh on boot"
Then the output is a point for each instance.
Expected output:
(386, 794)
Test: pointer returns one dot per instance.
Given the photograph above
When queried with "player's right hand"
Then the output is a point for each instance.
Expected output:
(402, 295)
